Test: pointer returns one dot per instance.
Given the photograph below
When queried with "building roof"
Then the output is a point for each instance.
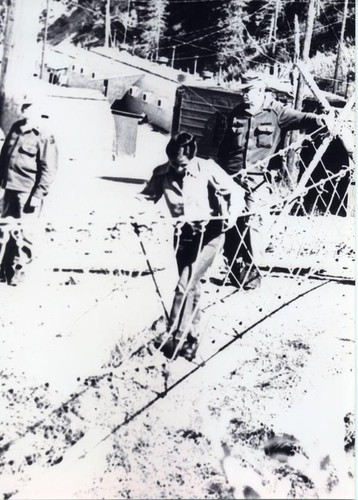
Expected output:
(153, 68)
(56, 60)
(93, 63)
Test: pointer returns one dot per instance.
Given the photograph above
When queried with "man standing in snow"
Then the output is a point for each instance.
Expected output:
(28, 164)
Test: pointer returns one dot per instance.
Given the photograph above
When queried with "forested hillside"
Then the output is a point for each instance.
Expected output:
(207, 34)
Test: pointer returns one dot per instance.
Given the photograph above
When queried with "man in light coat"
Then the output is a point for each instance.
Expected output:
(28, 164)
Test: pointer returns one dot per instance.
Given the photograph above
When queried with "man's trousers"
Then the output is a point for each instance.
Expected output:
(195, 252)
(17, 239)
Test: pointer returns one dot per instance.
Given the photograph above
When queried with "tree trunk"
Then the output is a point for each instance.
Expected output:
(291, 161)
(340, 46)
(107, 31)
(306, 51)
(44, 42)
(20, 56)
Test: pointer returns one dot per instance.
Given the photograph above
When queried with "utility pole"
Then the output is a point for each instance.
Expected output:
(275, 20)
(157, 42)
(272, 39)
(306, 51)
(134, 45)
(295, 72)
(195, 64)
(220, 74)
(293, 135)
(42, 68)
(173, 57)
(298, 80)
(271, 30)
(19, 56)
(340, 46)
(107, 27)
(126, 23)
(159, 15)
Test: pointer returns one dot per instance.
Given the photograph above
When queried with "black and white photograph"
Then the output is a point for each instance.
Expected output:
(177, 249)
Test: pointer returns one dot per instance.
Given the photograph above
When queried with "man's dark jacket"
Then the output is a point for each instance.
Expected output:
(251, 139)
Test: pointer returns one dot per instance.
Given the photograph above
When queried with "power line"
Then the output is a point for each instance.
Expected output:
(175, 37)
(257, 45)
(88, 9)
(220, 1)
(214, 32)
(190, 42)
(330, 24)
(182, 1)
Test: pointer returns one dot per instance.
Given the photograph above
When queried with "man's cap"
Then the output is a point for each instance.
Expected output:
(37, 100)
(250, 80)
(30, 98)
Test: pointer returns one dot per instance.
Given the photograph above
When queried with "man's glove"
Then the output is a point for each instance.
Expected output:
(241, 179)
(33, 204)
(229, 223)
(198, 226)
(330, 121)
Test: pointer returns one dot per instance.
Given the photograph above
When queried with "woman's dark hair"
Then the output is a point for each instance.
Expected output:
(182, 140)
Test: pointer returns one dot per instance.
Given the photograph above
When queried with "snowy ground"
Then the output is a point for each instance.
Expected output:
(91, 410)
